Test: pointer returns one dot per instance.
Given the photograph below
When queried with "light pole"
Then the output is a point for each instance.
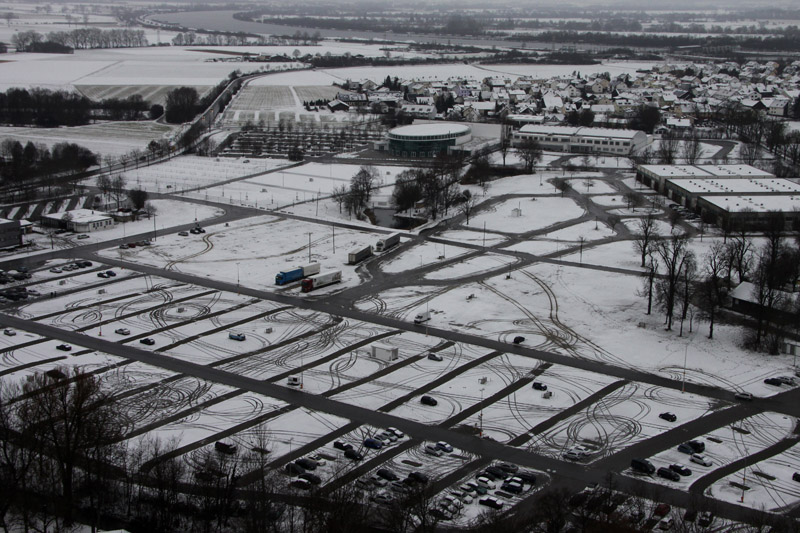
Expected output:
(685, 356)
(480, 417)
(309, 247)
(237, 277)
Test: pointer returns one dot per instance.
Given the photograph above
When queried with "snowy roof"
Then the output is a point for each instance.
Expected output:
(430, 129)
(687, 171)
(80, 215)
(575, 131)
(736, 185)
(756, 204)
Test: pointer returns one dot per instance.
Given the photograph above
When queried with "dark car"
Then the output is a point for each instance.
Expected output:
(643, 465)
(796, 476)
(668, 473)
(102, 275)
(375, 444)
(350, 453)
(538, 385)
(224, 447)
(527, 477)
(669, 417)
(148, 341)
(428, 400)
(341, 445)
(697, 445)
(513, 488)
(680, 469)
(705, 519)
(307, 464)
(496, 473)
(508, 467)
(417, 477)
(311, 478)
(519, 339)
(84, 264)
(387, 474)
(64, 347)
(773, 381)
(111, 273)
(294, 469)
(662, 509)
(492, 502)
(435, 357)
(685, 448)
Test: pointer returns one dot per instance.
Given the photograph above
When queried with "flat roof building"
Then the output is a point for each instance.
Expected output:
(655, 176)
(78, 220)
(751, 212)
(581, 140)
(686, 191)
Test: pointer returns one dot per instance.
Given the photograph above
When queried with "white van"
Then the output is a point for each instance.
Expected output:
(293, 381)
(421, 317)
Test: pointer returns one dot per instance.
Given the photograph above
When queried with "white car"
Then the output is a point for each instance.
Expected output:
(9, 332)
(485, 481)
(397, 433)
(122, 331)
(442, 445)
(433, 450)
(571, 455)
(317, 459)
(700, 459)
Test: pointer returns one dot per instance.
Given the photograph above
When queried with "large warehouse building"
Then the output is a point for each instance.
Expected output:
(580, 140)
(726, 194)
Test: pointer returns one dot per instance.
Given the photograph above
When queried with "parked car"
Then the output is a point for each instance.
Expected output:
(796, 476)
(183, 233)
(341, 445)
(538, 385)
(382, 499)
(311, 478)
(477, 488)
(317, 458)
(787, 380)
(375, 444)
(418, 477)
(571, 455)
(495, 472)
(148, 341)
(705, 519)
(519, 339)
(492, 502)
(111, 273)
(508, 467)
(669, 417)
(64, 347)
(746, 396)
(301, 484)
(83, 236)
(527, 477)
(666, 523)
(56, 270)
(462, 496)
(512, 487)
(431, 449)
(700, 459)
(294, 469)
(668, 473)
(680, 469)
(433, 356)
(643, 465)
(9, 332)
(234, 336)
(352, 454)
(697, 445)
(485, 481)
(122, 331)
(225, 447)
(386, 436)
(662, 509)
(773, 381)
(387, 474)
(306, 464)
(445, 447)
(428, 400)
(397, 433)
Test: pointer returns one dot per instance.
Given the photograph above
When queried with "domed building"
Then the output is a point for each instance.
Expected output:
(427, 140)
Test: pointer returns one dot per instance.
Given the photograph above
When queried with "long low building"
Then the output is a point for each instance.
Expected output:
(686, 191)
(750, 212)
(78, 220)
(582, 140)
(656, 176)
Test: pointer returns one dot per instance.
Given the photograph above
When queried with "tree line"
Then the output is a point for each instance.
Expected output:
(29, 41)
(46, 108)
(684, 286)
(19, 163)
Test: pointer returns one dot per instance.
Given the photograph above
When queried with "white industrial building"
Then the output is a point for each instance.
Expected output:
(656, 176)
(78, 220)
(582, 140)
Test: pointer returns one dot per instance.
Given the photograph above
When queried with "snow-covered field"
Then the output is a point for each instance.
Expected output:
(534, 214)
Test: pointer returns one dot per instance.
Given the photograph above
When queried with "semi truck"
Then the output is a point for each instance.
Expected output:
(358, 255)
(288, 276)
(387, 242)
(321, 280)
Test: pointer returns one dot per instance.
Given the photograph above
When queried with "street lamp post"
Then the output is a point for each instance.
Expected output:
(309, 247)
(237, 277)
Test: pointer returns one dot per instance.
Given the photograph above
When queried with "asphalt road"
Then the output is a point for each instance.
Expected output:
(564, 473)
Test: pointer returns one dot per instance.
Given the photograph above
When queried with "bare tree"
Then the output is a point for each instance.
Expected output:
(667, 149)
(691, 150)
(118, 191)
(673, 254)
(686, 289)
(530, 151)
(467, 205)
(647, 232)
(712, 292)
